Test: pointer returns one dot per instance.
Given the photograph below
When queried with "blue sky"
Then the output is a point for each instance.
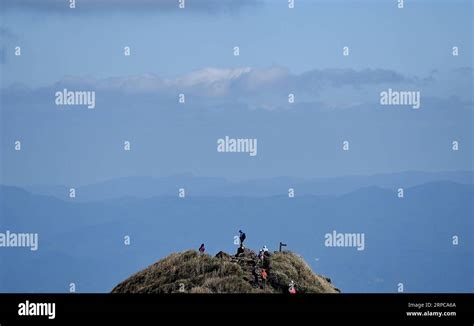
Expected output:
(412, 40)
(191, 51)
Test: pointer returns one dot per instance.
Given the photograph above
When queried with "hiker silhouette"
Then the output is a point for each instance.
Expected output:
(202, 248)
(242, 237)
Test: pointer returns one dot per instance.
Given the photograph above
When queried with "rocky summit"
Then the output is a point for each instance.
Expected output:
(193, 272)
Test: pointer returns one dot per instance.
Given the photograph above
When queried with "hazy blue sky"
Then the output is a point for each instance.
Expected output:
(191, 51)
(63, 42)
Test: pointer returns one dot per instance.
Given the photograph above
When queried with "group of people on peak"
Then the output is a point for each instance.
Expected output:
(259, 271)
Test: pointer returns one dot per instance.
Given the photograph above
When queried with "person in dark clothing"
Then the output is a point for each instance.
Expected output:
(256, 274)
(242, 237)
(202, 248)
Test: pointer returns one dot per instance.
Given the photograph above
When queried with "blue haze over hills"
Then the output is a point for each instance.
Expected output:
(407, 240)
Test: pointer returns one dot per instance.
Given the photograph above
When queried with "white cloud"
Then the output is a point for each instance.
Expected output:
(268, 88)
(219, 82)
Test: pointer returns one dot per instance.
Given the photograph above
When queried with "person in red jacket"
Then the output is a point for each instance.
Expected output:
(264, 277)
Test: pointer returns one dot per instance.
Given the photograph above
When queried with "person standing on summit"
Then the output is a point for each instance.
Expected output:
(202, 249)
(241, 237)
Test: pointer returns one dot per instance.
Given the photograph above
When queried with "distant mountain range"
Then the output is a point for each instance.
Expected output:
(407, 240)
(146, 187)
